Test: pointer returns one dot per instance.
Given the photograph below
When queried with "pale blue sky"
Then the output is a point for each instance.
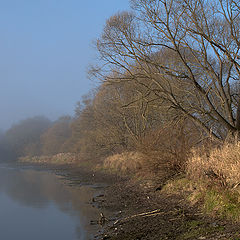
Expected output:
(45, 49)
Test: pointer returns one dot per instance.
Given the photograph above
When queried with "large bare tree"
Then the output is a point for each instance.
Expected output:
(185, 52)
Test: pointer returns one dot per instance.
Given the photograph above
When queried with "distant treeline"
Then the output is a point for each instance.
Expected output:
(107, 121)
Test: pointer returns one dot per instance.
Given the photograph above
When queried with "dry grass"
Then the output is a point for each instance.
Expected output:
(221, 165)
(60, 158)
(213, 180)
(180, 185)
(213, 200)
(124, 162)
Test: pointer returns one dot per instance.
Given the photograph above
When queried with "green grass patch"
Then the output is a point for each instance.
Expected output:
(214, 201)
(178, 186)
(223, 203)
(196, 228)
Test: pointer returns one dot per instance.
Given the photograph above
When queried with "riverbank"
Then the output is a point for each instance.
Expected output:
(147, 213)
(147, 209)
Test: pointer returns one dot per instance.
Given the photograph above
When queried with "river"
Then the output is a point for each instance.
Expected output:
(40, 205)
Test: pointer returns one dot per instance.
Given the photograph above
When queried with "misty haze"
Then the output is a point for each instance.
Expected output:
(120, 119)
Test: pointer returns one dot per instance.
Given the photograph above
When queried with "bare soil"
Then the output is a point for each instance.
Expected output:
(141, 212)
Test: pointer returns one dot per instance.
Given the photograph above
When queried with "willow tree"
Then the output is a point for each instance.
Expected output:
(185, 52)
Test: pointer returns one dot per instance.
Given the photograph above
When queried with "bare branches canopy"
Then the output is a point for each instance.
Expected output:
(184, 52)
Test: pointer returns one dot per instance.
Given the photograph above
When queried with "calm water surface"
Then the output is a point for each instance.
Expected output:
(39, 205)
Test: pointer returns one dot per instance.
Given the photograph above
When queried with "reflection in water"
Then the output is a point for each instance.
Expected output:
(39, 205)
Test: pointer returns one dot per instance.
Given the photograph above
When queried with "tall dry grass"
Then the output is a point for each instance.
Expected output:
(125, 162)
(60, 158)
(220, 165)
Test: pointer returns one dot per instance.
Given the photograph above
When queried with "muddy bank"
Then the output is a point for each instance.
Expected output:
(139, 210)
(144, 213)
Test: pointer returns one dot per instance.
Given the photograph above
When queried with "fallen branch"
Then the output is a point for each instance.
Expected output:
(145, 214)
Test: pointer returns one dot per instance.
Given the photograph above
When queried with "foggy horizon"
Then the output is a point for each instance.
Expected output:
(46, 48)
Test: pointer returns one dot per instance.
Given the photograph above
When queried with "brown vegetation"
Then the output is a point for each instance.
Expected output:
(220, 165)
(60, 158)
(169, 86)
(127, 162)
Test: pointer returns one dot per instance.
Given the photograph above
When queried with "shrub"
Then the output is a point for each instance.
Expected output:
(168, 148)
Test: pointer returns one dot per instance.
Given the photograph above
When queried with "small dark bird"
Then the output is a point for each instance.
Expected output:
(211, 174)
(158, 188)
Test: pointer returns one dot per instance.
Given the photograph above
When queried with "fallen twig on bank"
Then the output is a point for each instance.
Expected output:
(145, 214)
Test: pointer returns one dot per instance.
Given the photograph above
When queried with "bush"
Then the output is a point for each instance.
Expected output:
(168, 148)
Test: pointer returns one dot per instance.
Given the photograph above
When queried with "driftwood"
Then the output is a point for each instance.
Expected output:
(145, 214)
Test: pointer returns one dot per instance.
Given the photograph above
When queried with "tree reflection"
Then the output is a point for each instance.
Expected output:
(39, 189)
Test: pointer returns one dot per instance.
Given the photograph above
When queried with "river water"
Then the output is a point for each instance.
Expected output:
(40, 205)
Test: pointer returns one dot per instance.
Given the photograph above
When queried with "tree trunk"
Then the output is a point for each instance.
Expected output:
(238, 117)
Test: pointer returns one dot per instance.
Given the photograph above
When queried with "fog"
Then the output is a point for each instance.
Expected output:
(46, 47)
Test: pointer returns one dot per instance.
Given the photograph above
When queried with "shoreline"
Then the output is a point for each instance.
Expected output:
(140, 211)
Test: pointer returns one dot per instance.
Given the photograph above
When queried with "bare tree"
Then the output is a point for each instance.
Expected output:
(185, 52)
(128, 110)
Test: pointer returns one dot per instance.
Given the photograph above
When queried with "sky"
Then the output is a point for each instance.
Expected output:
(46, 47)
